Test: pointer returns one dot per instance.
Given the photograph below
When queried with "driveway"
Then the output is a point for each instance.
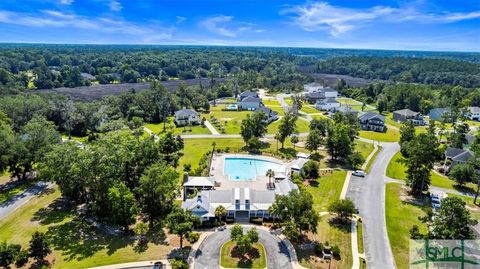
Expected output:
(369, 195)
(18, 200)
(208, 254)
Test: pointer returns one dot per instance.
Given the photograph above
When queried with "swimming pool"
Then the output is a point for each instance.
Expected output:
(247, 168)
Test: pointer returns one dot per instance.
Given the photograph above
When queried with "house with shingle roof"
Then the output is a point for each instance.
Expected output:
(456, 156)
(372, 122)
(250, 103)
(439, 113)
(327, 104)
(246, 94)
(405, 115)
(271, 115)
(186, 116)
(473, 113)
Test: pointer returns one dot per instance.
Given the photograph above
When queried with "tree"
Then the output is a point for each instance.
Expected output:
(294, 139)
(382, 103)
(339, 145)
(458, 137)
(39, 247)
(181, 223)
(462, 173)
(314, 140)
(7, 146)
(157, 191)
(287, 127)
(344, 208)
(270, 173)
(35, 139)
(8, 254)
(236, 233)
(297, 102)
(244, 242)
(122, 206)
(422, 152)
(220, 212)
(356, 159)
(452, 221)
(254, 125)
(296, 212)
(407, 134)
(141, 229)
(310, 170)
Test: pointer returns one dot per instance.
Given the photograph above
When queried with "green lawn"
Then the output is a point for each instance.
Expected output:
(6, 195)
(335, 234)
(157, 128)
(227, 261)
(400, 217)
(269, 102)
(391, 135)
(327, 190)
(360, 237)
(230, 120)
(195, 148)
(303, 126)
(278, 109)
(309, 109)
(396, 169)
(370, 162)
(364, 148)
(75, 244)
(83, 139)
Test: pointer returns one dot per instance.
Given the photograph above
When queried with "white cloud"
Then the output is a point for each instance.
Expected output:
(115, 5)
(66, 2)
(321, 16)
(180, 19)
(226, 26)
(53, 18)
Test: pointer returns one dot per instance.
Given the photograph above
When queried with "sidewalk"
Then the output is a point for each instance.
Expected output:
(211, 128)
(134, 265)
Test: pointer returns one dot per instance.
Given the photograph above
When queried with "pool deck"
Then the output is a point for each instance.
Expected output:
(218, 164)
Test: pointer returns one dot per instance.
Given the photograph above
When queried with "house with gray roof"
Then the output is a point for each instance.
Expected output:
(405, 115)
(271, 115)
(372, 122)
(345, 110)
(246, 94)
(313, 97)
(186, 116)
(439, 113)
(327, 104)
(454, 156)
(250, 103)
(312, 87)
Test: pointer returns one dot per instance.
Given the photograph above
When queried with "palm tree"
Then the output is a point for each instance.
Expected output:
(270, 173)
(294, 140)
(220, 212)
(277, 137)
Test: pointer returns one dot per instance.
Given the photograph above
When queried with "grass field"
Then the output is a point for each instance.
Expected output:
(396, 169)
(233, 119)
(83, 139)
(278, 109)
(391, 135)
(360, 237)
(335, 234)
(75, 244)
(227, 261)
(269, 102)
(327, 190)
(400, 217)
(157, 128)
(309, 109)
(364, 148)
(302, 126)
(195, 148)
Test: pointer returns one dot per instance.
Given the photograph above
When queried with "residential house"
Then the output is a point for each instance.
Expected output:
(327, 104)
(329, 92)
(272, 115)
(454, 156)
(474, 113)
(345, 110)
(404, 115)
(312, 87)
(438, 114)
(313, 97)
(246, 94)
(250, 103)
(372, 122)
(186, 117)
(241, 203)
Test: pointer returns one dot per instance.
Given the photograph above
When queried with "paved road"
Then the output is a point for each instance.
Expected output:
(15, 202)
(369, 195)
(207, 136)
(208, 254)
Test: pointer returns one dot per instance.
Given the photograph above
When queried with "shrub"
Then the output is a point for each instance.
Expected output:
(193, 237)
(258, 221)
(22, 258)
(336, 252)
(318, 249)
(179, 263)
(316, 156)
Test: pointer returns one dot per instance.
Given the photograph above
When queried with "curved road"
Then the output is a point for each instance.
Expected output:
(18, 200)
(208, 254)
(369, 195)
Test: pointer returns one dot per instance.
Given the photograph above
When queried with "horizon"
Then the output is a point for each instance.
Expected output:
(438, 26)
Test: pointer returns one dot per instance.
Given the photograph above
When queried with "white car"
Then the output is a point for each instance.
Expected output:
(359, 173)
(436, 204)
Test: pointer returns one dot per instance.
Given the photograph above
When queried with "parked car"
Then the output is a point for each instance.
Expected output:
(359, 173)
(436, 204)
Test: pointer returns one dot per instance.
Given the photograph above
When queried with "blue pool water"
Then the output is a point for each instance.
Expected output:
(247, 168)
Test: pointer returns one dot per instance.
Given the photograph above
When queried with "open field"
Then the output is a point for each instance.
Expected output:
(227, 261)
(327, 189)
(302, 126)
(364, 148)
(396, 169)
(278, 109)
(230, 120)
(391, 135)
(157, 128)
(309, 109)
(75, 243)
(400, 217)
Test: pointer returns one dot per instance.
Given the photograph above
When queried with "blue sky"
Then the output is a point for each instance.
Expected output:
(409, 25)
